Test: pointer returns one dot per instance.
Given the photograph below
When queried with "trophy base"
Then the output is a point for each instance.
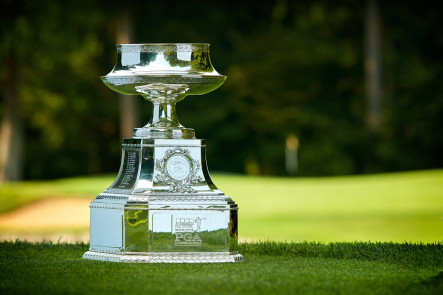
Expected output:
(165, 257)
(163, 208)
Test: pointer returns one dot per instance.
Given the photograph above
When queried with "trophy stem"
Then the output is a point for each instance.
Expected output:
(164, 122)
(164, 116)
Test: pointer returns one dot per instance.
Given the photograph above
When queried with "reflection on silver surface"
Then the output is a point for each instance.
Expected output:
(163, 74)
(163, 205)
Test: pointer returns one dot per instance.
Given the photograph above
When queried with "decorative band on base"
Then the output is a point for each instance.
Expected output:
(166, 257)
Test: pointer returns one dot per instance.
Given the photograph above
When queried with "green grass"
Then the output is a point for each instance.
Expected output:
(270, 268)
(383, 207)
(400, 207)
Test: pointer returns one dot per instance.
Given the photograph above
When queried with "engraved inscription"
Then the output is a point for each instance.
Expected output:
(187, 239)
(187, 231)
(128, 174)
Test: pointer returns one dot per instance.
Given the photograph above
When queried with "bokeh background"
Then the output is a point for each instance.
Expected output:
(314, 88)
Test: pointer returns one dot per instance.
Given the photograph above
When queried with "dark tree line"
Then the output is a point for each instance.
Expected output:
(295, 69)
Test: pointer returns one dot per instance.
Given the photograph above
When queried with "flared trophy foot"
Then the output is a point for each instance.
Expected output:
(171, 257)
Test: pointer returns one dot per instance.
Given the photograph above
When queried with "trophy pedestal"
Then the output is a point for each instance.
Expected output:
(163, 207)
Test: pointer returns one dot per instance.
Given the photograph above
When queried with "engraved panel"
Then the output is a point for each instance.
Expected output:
(129, 171)
(188, 228)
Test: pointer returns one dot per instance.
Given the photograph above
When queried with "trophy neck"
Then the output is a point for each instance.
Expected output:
(164, 123)
(164, 116)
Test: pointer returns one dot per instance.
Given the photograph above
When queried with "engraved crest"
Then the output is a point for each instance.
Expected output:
(179, 170)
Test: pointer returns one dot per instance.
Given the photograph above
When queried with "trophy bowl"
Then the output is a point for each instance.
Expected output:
(163, 74)
(163, 206)
(145, 68)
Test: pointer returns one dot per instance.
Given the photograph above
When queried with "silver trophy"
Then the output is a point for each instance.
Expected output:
(163, 206)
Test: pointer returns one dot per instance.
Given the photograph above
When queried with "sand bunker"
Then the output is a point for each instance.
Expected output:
(48, 214)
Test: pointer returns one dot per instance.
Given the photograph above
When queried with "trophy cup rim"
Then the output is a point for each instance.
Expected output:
(141, 72)
(162, 47)
(164, 43)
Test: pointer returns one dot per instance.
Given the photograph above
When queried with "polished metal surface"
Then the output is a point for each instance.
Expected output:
(163, 205)
(163, 74)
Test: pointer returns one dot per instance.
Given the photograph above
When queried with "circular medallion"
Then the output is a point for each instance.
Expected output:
(178, 167)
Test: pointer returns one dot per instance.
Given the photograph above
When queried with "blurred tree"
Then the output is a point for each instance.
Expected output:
(11, 131)
(373, 65)
(128, 104)
(58, 49)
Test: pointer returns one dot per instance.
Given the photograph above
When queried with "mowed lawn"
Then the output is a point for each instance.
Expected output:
(399, 207)
(270, 268)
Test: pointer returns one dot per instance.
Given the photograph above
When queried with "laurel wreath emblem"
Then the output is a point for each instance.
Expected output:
(180, 186)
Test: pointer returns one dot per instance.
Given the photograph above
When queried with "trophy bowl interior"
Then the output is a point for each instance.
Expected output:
(163, 69)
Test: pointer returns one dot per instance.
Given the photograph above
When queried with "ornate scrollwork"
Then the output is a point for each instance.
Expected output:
(163, 48)
(179, 170)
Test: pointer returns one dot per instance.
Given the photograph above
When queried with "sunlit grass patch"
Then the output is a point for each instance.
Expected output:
(400, 207)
